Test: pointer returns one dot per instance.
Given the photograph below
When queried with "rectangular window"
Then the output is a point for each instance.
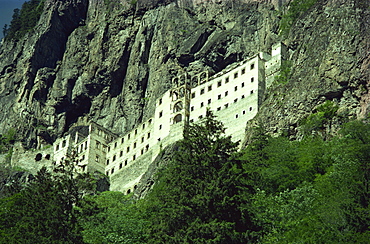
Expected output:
(128, 137)
(219, 97)
(107, 161)
(219, 84)
(136, 132)
(108, 149)
(142, 139)
(121, 153)
(226, 93)
(192, 108)
(242, 84)
(128, 149)
(251, 92)
(142, 151)
(252, 66)
(126, 162)
(96, 159)
(201, 104)
(98, 145)
(235, 88)
(122, 140)
(160, 101)
(115, 145)
(148, 135)
(209, 101)
(236, 116)
(120, 166)
(226, 105)
(243, 71)
(193, 95)
(209, 88)
(243, 97)
(235, 75)
(112, 171)
(134, 157)
(243, 111)
(107, 173)
(134, 144)
(160, 127)
(202, 91)
(252, 79)
(143, 126)
(160, 114)
(235, 100)
(227, 80)
(250, 108)
(219, 108)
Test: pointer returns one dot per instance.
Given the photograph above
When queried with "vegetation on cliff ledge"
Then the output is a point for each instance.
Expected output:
(24, 19)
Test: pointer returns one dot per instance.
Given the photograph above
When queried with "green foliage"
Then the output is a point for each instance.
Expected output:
(116, 220)
(296, 9)
(202, 196)
(316, 121)
(284, 74)
(7, 140)
(46, 211)
(24, 20)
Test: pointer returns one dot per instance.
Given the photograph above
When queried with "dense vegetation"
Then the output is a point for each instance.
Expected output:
(274, 191)
(24, 19)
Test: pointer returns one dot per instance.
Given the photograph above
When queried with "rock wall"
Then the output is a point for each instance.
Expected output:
(109, 62)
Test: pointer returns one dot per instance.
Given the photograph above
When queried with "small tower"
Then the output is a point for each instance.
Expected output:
(180, 103)
(272, 66)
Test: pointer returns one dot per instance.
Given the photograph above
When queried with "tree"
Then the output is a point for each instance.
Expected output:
(202, 196)
(46, 211)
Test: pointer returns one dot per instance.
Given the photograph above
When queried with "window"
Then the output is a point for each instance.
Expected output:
(235, 100)
(135, 132)
(243, 97)
(235, 88)
(108, 149)
(191, 121)
(112, 171)
(209, 101)
(134, 144)
(252, 79)
(115, 145)
(250, 108)
(251, 92)
(128, 137)
(97, 145)
(107, 161)
(243, 111)
(160, 127)
(202, 104)
(142, 139)
(114, 158)
(192, 108)
(200, 116)
(128, 149)
(227, 80)
(219, 84)
(147, 147)
(160, 101)
(226, 93)
(121, 153)
(57, 148)
(160, 114)
(64, 143)
(219, 97)
(242, 84)
(126, 162)
(120, 166)
(243, 71)
(96, 158)
(150, 121)
(226, 105)
(142, 151)
(202, 91)
(134, 157)
(143, 126)
(210, 88)
(252, 66)
(148, 135)
(219, 108)
(107, 173)
(236, 116)
(193, 95)
(235, 75)
(122, 140)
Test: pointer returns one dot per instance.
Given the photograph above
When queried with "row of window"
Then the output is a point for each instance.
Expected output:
(225, 106)
(111, 171)
(219, 83)
(58, 146)
(134, 144)
(115, 145)
(128, 150)
(218, 98)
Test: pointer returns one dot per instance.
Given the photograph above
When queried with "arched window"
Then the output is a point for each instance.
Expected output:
(178, 107)
(177, 119)
(181, 92)
(175, 95)
(194, 81)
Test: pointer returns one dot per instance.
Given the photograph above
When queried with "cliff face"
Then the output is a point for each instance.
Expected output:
(329, 55)
(108, 61)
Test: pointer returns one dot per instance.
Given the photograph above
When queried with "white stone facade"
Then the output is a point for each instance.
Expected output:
(234, 95)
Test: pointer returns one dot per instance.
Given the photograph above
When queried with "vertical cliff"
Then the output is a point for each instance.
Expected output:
(108, 61)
